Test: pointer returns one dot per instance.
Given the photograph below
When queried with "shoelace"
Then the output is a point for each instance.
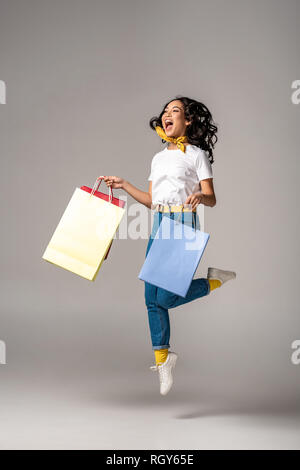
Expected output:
(155, 368)
(162, 371)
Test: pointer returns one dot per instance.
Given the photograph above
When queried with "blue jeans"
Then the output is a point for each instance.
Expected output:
(159, 300)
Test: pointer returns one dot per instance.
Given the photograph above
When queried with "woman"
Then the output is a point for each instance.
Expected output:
(180, 179)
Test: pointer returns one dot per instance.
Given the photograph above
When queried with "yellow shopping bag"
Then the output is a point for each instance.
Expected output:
(85, 232)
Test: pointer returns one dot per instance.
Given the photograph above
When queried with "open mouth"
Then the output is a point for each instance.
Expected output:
(168, 124)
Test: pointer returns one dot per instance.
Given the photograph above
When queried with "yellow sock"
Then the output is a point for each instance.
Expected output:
(160, 355)
(214, 283)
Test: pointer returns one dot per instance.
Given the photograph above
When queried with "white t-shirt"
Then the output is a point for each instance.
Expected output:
(175, 174)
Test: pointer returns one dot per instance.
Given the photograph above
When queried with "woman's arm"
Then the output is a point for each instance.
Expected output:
(205, 196)
(141, 196)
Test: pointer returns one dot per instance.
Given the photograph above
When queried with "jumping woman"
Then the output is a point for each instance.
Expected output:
(180, 178)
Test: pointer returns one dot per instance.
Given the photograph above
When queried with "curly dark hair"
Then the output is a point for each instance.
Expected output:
(202, 131)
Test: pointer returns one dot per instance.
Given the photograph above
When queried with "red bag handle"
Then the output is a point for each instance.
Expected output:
(98, 182)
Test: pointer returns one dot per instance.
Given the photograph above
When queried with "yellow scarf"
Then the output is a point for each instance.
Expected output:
(176, 140)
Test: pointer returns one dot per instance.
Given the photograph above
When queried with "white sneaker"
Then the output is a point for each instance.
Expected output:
(165, 372)
(220, 274)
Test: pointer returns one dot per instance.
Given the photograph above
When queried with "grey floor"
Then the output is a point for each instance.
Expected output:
(77, 373)
(77, 408)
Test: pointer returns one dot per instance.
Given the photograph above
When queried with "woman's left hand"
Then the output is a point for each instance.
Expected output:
(194, 199)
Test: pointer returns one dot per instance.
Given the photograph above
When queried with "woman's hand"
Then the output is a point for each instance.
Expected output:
(194, 199)
(143, 197)
(114, 182)
(205, 196)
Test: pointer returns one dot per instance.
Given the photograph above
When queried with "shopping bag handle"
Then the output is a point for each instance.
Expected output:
(181, 214)
(97, 183)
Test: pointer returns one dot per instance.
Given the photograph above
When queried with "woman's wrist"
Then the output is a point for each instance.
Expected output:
(205, 199)
(124, 185)
(208, 199)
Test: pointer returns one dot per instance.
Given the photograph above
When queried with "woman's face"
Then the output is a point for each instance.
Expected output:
(173, 119)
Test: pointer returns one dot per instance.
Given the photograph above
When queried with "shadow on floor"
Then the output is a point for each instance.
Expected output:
(200, 403)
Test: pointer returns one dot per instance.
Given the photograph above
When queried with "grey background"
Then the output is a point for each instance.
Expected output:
(83, 78)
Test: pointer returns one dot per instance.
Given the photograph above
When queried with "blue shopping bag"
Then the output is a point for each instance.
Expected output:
(174, 256)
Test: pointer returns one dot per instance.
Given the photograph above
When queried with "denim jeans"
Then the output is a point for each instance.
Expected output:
(159, 300)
